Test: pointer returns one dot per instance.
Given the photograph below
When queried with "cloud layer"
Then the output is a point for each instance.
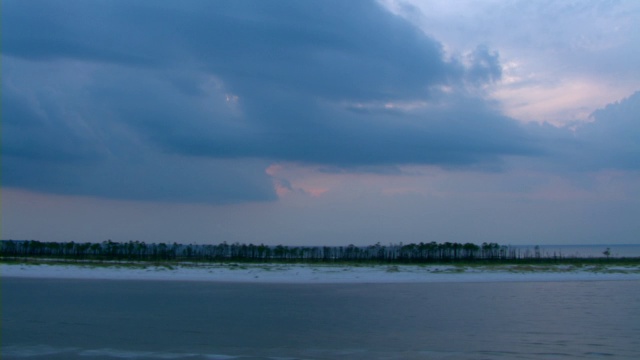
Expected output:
(191, 100)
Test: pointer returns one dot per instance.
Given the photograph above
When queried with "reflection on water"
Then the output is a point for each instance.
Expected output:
(73, 319)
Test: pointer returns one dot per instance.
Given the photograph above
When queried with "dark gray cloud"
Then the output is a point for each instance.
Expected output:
(485, 65)
(608, 141)
(151, 178)
(612, 139)
(332, 49)
(147, 99)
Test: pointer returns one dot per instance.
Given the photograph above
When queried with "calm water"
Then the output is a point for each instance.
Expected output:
(93, 320)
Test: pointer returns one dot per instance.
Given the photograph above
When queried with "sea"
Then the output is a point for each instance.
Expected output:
(582, 251)
(127, 319)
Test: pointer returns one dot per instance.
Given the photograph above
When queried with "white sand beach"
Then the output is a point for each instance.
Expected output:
(306, 273)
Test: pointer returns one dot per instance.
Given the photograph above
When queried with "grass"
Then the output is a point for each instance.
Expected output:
(596, 265)
(393, 269)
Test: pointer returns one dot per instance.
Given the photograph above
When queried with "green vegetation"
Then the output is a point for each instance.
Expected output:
(167, 254)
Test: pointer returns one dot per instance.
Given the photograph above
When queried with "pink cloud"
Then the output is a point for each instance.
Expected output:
(281, 190)
(315, 192)
(273, 169)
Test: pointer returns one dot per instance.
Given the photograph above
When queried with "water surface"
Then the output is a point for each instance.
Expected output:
(94, 320)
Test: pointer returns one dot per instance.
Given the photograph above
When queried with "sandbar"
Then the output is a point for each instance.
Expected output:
(320, 273)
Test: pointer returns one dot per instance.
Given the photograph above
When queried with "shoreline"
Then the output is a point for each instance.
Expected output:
(320, 273)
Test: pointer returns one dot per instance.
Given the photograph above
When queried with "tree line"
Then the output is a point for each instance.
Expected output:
(141, 251)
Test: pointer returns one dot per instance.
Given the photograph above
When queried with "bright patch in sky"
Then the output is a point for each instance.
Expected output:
(561, 60)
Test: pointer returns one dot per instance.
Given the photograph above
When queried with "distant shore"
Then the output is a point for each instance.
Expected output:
(399, 254)
(320, 273)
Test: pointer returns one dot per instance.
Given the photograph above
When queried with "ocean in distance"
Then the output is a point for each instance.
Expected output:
(107, 319)
(587, 251)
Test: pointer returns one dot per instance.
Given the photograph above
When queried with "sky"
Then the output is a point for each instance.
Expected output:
(321, 122)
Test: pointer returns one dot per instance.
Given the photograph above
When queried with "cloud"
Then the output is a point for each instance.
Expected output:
(561, 60)
(329, 48)
(215, 91)
(62, 134)
(484, 65)
(611, 140)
